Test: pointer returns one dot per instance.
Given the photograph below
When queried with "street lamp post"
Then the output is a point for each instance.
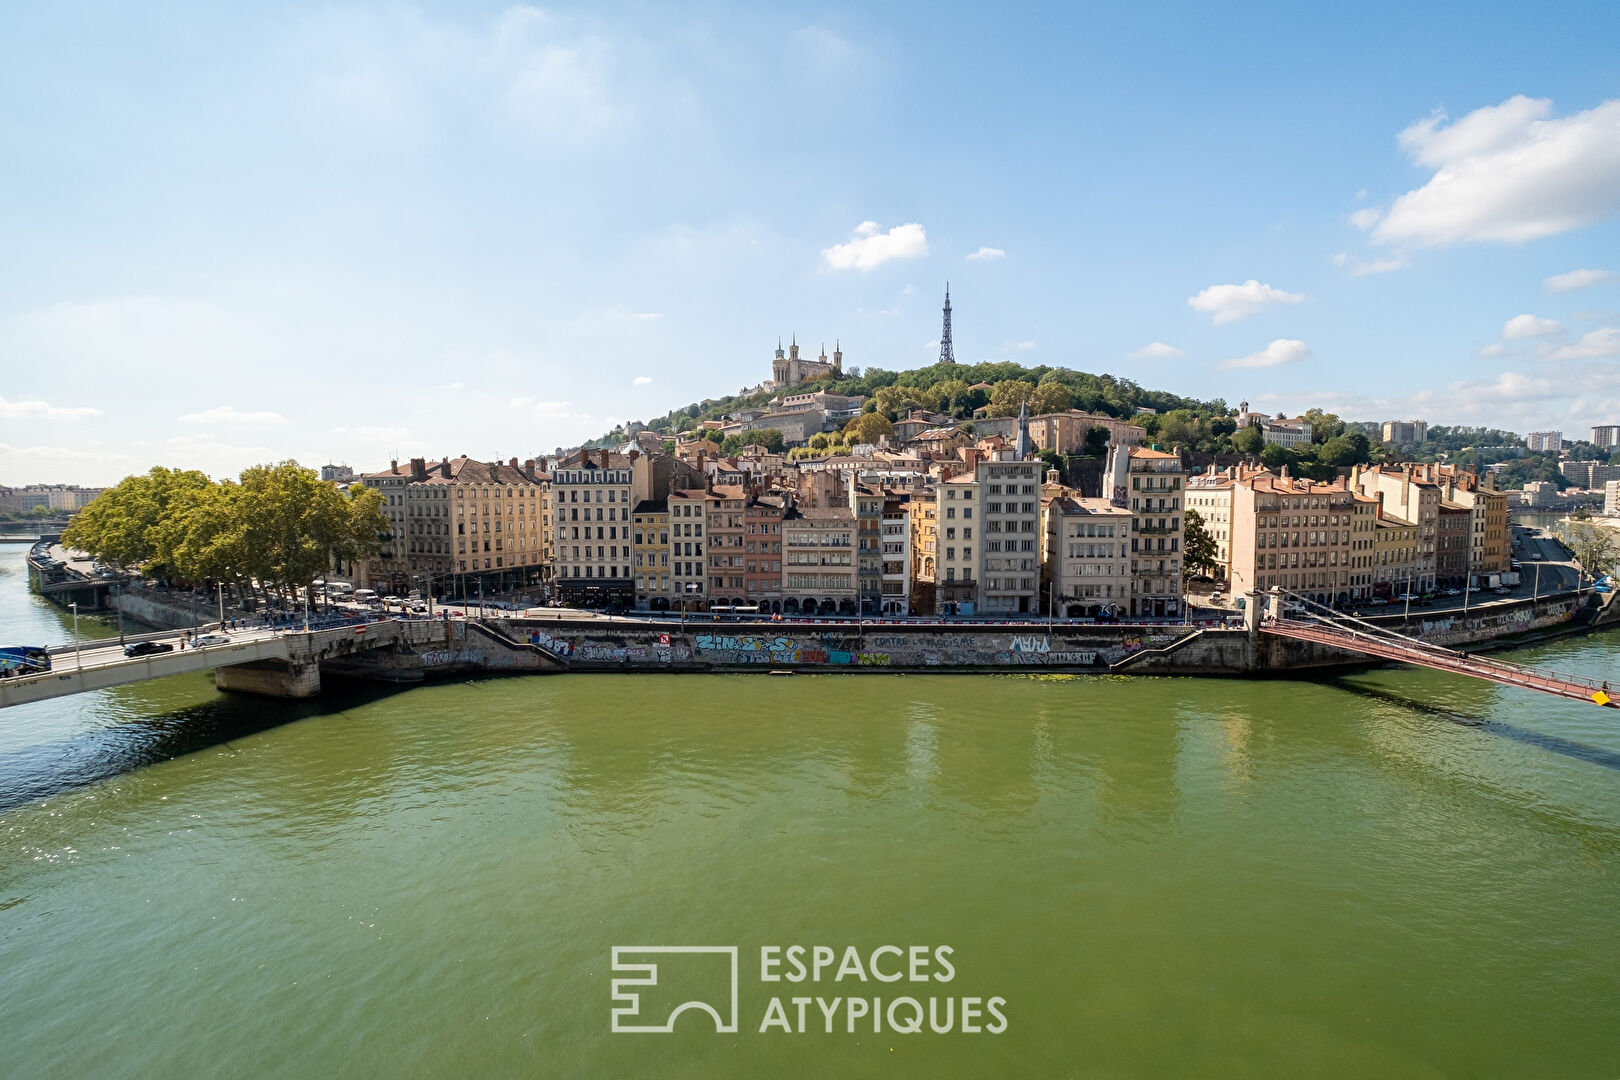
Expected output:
(219, 587)
(78, 655)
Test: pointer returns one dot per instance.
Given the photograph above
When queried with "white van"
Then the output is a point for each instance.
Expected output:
(364, 596)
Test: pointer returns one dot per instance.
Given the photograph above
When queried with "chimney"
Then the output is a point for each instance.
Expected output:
(541, 464)
(528, 470)
(635, 455)
(393, 466)
(513, 463)
(418, 469)
(444, 468)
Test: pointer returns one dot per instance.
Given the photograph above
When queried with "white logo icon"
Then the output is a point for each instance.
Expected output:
(628, 1000)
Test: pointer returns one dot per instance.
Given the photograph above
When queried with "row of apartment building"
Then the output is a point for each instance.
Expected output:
(978, 532)
(1381, 531)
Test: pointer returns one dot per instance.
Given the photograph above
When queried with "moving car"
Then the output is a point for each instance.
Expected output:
(147, 648)
(204, 640)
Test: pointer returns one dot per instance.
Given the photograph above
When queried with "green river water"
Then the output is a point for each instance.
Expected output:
(1395, 873)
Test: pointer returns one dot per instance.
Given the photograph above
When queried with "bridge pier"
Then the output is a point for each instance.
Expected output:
(271, 678)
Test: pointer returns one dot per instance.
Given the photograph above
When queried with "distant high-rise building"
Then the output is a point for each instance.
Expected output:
(1405, 432)
(1606, 435)
(1545, 441)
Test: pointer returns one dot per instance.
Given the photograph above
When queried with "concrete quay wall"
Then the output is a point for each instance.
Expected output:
(587, 646)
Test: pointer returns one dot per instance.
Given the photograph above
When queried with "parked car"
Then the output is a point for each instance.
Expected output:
(211, 639)
(1450, 592)
(1499, 591)
(147, 648)
(1378, 602)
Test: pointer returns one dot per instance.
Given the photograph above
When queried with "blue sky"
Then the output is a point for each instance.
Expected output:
(353, 232)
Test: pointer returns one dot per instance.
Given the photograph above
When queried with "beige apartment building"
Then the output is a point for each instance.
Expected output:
(1302, 536)
(818, 561)
(1087, 558)
(1398, 563)
(1210, 493)
(591, 520)
(1406, 494)
(956, 585)
(896, 540)
(867, 503)
(997, 571)
(923, 524)
(1150, 483)
(460, 519)
(1066, 432)
(689, 576)
(650, 545)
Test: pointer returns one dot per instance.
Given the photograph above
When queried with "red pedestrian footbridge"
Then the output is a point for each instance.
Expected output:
(1359, 637)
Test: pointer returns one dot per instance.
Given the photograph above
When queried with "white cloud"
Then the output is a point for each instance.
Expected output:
(874, 247)
(19, 410)
(1521, 327)
(1366, 217)
(1578, 279)
(1281, 351)
(647, 316)
(1360, 268)
(1229, 303)
(1494, 350)
(545, 410)
(225, 414)
(1157, 350)
(1506, 172)
(985, 253)
(643, 380)
(1604, 341)
(451, 386)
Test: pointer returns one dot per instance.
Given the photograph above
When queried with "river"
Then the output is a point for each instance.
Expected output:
(1393, 873)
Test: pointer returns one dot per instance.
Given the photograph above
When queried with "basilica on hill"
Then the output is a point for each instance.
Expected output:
(789, 369)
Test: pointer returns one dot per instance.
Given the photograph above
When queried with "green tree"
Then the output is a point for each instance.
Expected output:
(1097, 438)
(1199, 554)
(138, 522)
(1275, 457)
(770, 438)
(1182, 427)
(1594, 546)
(868, 428)
(1324, 425)
(1345, 450)
(1008, 396)
(1053, 460)
(1050, 397)
(1249, 440)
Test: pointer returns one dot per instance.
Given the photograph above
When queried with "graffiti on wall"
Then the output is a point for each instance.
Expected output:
(560, 646)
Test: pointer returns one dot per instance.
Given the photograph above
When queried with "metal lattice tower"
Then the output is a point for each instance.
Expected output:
(947, 355)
